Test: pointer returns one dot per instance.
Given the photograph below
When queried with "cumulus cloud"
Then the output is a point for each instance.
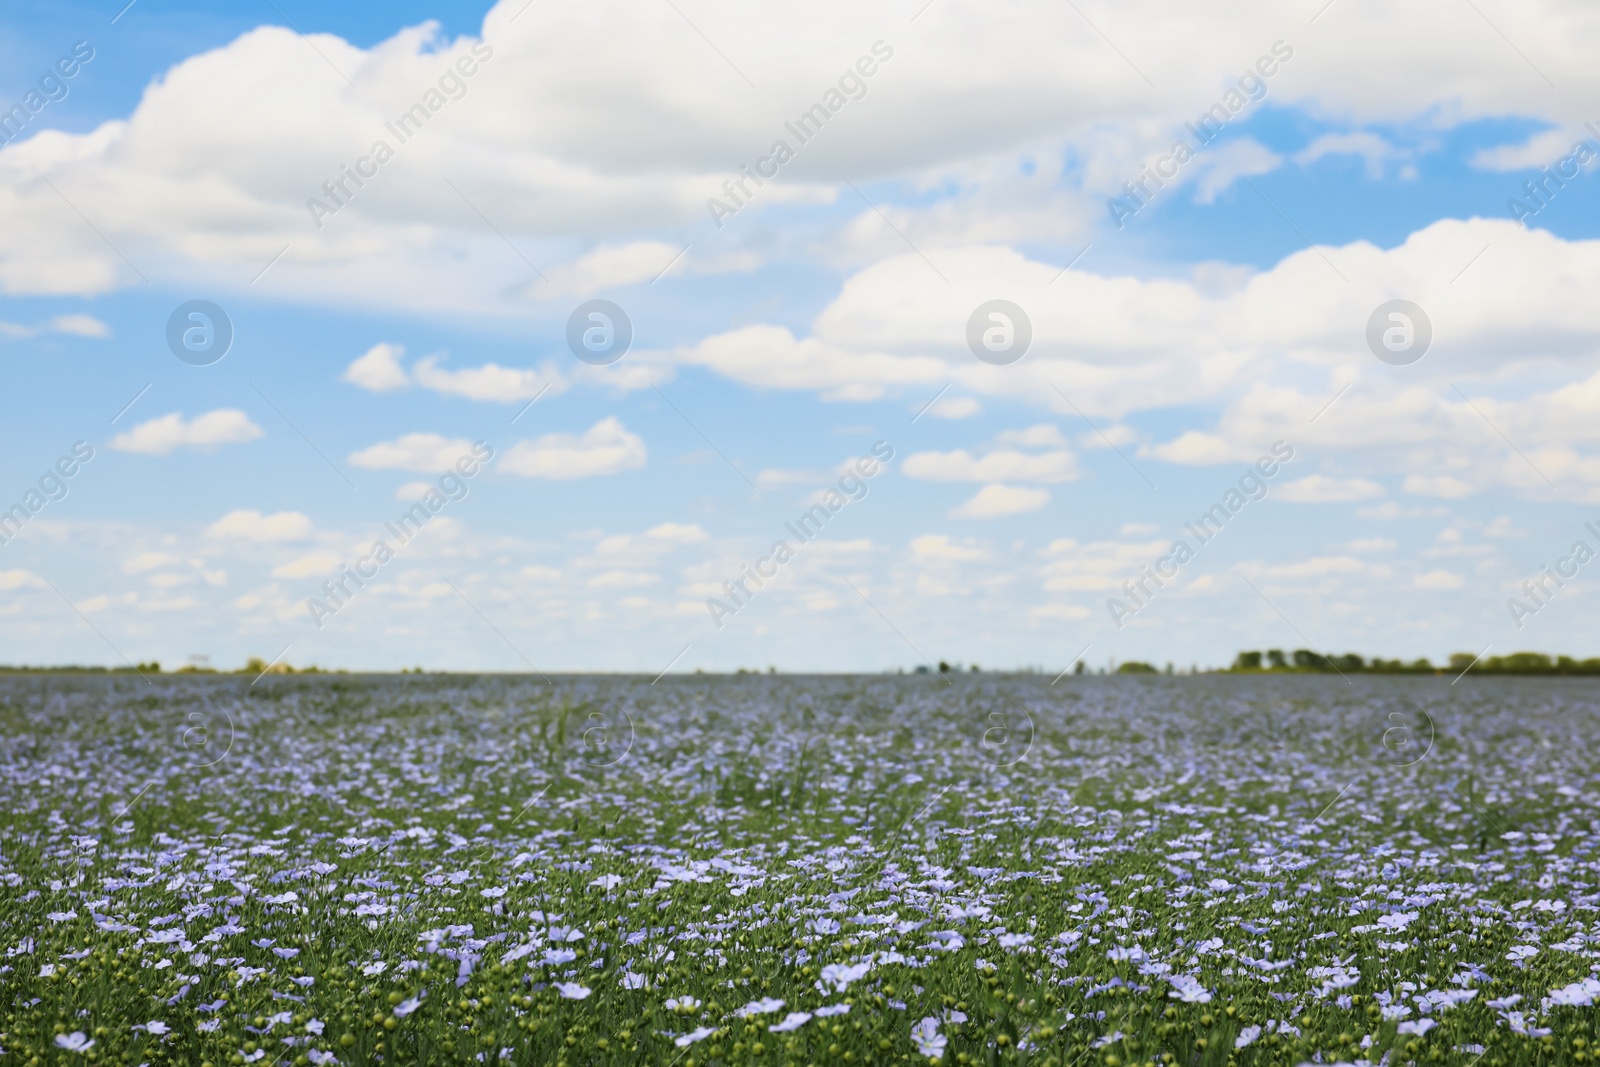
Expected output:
(1000, 464)
(610, 266)
(140, 562)
(1044, 435)
(19, 579)
(1542, 149)
(1097, 565)
(1372, 149)
(1438, 581)
(599, 126)
(379, 369)
(426, 453)
(636, 553)
(953, 407)
(490, 382)
(250, 525)
(1283, 348)
(623, 580)
(1219, 168)
(1437, 485)
(1320, 489)
(1373, 544)
(1316, 567)
(605, 448)
(158, 437)
(1201, 449)
(677, 533)
(996, 501)
(772, 478)
(771, 357)
(308, 566)
(939, 548)
(78, 325)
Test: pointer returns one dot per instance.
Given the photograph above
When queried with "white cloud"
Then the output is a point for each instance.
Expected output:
(607, 266)
(80, 326)
(250, 525)
(1044, 435)
(1003, 464)
(839, 548)
(605, 448)
(1064, 612)
(1540, 150)
(560, 143)
(1503, 526)
(613, 265)
(1097, 565)
(1218, 168)
(1391, 510)
(147, 561)
(997, 501)
(623, 580)
(426, 453)
(771, 357)
(1372, 544)
(1199, 449)
(181, 603)
(636, 552)
(19, 579)
(414, 491)
(158, 437)
(1438, 581)
(1437, 485)
(1316, 567)
(773, 477)
(491, 382)
(379, 369)
(1320, 489)
(1373, 150)
(1283, 347)
(953, 407)
(77, 325)
(308, 566)
(675, 533)
(939, 548)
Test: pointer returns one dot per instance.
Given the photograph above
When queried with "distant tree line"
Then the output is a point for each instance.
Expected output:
(1307, 661)
(143, 668)
(255, 665)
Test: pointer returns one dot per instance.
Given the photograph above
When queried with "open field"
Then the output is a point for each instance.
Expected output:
(772, 870)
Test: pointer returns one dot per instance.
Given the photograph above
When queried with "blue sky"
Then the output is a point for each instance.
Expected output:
(824, 316)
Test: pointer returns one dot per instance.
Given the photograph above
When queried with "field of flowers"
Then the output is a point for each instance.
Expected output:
(787, 870)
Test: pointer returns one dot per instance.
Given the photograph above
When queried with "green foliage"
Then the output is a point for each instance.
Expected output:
(1305, 660)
